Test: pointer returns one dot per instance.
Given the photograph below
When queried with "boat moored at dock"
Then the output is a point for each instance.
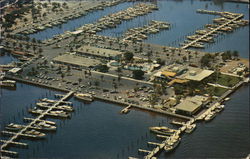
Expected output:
(172, 143)
(162, 130)
(35, 133)
(85, 97)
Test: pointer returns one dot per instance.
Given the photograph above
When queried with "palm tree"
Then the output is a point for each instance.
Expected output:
(115, 86)
(40, 50)
(7, 43)
(14, 44)
(102, 77)
(27, 47)
(34, 48)
(79, 80)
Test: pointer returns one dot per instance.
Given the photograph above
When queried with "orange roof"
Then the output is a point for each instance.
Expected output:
(177, 81)
(167, 73)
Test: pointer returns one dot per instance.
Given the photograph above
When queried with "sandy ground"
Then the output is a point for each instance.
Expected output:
(232, 64)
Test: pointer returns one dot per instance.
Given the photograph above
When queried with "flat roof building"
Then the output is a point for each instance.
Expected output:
(198, 76)
(99, 52)
(190, 105)
(77, 61)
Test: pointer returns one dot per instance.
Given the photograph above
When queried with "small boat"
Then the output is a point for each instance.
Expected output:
(65, 107)
(162, 130)
(14, 127)
(42, 104)
(35, 133)
(210, 116)
(44, 126)
(219, 108)
(59, 113)
(7, 83)
(172, 144)
(190, 128)
(85, 97)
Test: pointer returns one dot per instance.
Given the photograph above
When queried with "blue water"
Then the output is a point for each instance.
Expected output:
(97, 130)
(94, 130)
(6, 57)
(180, 14)
(185, 21)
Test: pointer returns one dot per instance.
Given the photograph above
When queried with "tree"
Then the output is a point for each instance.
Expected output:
(149, 54)
(138, 74)
(96, 83)
(236, 54)
(184, 58)
(40, 50)
(226, 56)
(206, 59)
(119, 77)
(102, 68)
(115, 86)
(27, 47)
(102, 77)
(68, 68)
(128, 56)
(62, 75)
(33, 40)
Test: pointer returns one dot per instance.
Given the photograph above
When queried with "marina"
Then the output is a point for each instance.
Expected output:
(69, 83)
(222, 27)
(24, 130)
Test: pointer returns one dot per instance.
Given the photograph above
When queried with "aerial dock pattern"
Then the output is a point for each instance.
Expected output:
(227, 23)
(61, 108)
(25, 128)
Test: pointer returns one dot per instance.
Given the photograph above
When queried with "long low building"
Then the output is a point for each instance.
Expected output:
(76, 61)
(99, 52)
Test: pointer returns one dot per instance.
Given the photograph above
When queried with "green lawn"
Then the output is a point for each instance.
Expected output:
(227, 80)
(217, 91)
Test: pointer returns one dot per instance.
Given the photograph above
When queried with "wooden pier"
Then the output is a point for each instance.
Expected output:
(46, 121)
(212, 31)
(22, 131)
(20, 144)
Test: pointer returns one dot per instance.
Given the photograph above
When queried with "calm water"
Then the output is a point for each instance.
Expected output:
(182, 16)
(6, 58)
(97, 130)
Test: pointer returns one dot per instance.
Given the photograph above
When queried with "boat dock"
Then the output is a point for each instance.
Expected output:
(160, 146)
(46, 121)
(138, 34)
(214, 30)
(22, 131)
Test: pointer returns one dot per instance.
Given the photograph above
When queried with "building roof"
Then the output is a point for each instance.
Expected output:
(167, 73)
(191, 104)
(98, 51)
(76, 60)
(177, 81)
(199, 76)
(14, 70)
